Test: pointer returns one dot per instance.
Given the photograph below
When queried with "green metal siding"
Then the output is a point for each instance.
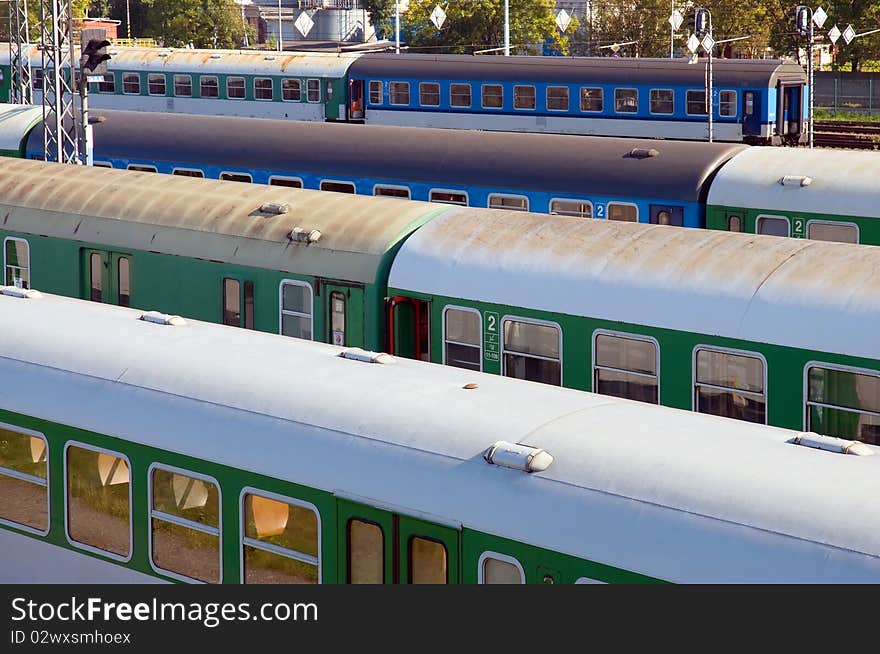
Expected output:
(716, 218)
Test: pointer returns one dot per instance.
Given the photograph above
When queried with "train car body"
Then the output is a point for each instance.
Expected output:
(619, 179)
(828, 194)
(17, 124)
(156, 450)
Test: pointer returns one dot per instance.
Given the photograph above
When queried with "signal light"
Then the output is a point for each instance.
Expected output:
(94, 56)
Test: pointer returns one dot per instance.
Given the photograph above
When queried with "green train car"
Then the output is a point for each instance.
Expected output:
(140, 447)
(767, 330)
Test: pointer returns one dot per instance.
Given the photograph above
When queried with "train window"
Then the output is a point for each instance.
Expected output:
(557, 98)
(448, 197)
(123, 282)
(460, 95)
(429, 94)
(588, 580)
(17, 262)
(493, 568)
(131, 83)
(96, 277)
(727, 104)
(337, 187)
(209, 87)
(375, 92)
(102, 164)
(750, 103)
(579, 208)
(493, 96)
(248, 305)
(291, 90)
(296, 309)
(366, 553)
(263, 88)
(844, 403)
(730, 384)
(532, 351)
(591, 99)
(523, 97)
(235, 88)
(24, 478)
(399, 92)
(108, 84)
(187, 172)
(144, 168)
(626, 101)
(734, 223)
(819, 230)
(462, 338)
(392, 191)
(695, 104)
(236, 177)
(662, 101)
(98, 499)
(231, 302)
(281, 542)
(623, 212)
(291, 182)
(626, 366)
(337, 318)
(37, 79)
(185, 524)
(773, 226)
(156, 84)
(511, 202)
(183, 86)
(427, 561)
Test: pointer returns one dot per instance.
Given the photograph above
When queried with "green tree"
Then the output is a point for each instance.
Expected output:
(479, 24)
(863, 15)
(381, 15)
(204, 23)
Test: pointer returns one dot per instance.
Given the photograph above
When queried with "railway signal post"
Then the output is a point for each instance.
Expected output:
(92, 66)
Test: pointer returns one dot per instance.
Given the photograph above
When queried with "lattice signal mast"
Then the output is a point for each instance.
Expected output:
(60, 136)
(20, 91)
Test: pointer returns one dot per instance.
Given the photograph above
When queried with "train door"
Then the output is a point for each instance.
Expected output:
(382, 547)
(345, 315)
(667, 215)
(409, 328)
(106, 277)
(238, 302)
(356, 99)
(789, 116)
(751, 113)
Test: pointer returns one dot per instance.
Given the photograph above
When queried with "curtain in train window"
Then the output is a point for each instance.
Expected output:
(291, 90)
(460, 95)
(557, 98)
(730, 385)
(843, 403)
(16, 254)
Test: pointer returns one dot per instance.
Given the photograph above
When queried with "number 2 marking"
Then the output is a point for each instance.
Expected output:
(491, 323)
(600, 211)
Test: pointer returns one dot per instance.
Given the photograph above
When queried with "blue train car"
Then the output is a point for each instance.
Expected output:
(633, 180)
(753, 101)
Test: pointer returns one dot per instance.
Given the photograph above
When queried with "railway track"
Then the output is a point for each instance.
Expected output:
(851, 135)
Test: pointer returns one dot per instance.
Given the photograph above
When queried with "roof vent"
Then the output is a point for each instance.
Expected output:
(832, 444)
(24, 293)
(163, 319)
(796, 180)
(269, 58)
(162, 54)
(470, 386)
(643, 153)
(300, 235)
(357, 354)
(216, 56)
(276, 208)
(518, 457)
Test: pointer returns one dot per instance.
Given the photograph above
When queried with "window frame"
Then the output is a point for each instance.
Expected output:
(6, 264)
(174, 85)
(625, 204)
(338, 181)
(775, 216)
(102, 164)
(601, 97)
(271, 89)
(507, 196)
(567, 98)
(626, 88)
(142, 168)
(188, 170)
(626, 335)
(392, 187)
(347, 536)
(237, 173)
(439, 94)
(570, 215)
(409, 555)
(47, 483)
(202, 95)
(251, 490)
(391, 95)
(729, 350)
(483, 97)
(836, 223)
(282, 310)
(687, 111)
(458, 307)
(470, 103)
(105, 82)
(534, 97)
(178, 521)
(164, 85)
(124, 91)
(589, 580)
(381, 84)
(651, 103)
(721, 102)
(815, 363)
(532, 321)
(285, 178)
(229, 96)
(466, 195)
(317, 90)
(498, 556)
(85, 546)
(299, 86)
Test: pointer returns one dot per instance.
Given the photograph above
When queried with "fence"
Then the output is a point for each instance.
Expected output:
(856, 93)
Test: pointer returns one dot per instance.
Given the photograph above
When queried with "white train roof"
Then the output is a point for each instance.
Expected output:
(842, 182)
(793, 292)
(16, 121)
(662, 492)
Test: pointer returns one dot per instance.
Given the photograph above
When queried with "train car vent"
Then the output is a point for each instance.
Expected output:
(518, 457)
(832, 444)
(23, 293)
(643, 153)
(357, 354)
(162, 319)
(796, 180)
(307, 236)
(275, 208)
(270, 58)
(216, 56)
